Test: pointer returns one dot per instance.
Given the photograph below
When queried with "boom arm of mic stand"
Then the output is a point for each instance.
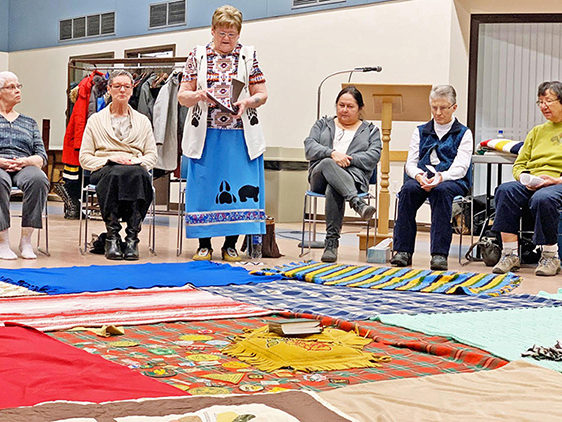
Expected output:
(320, 88)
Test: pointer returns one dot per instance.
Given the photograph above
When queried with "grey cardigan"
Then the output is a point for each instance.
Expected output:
(365, 148)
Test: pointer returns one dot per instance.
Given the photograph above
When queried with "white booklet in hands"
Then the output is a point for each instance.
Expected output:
(530, 181)
(436, 179)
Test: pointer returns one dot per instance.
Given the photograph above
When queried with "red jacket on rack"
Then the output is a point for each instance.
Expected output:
(77, 122)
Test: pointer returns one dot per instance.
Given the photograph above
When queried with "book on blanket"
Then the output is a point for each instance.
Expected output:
(295, 327)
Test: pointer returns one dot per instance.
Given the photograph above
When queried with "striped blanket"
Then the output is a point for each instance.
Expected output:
(122, 307)
(502, 145)
(370, 277)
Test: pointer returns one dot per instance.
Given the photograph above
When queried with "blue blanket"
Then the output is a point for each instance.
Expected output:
(99, 278)
(362, 304)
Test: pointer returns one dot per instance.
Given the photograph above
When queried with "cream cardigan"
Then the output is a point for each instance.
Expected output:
(100, 144)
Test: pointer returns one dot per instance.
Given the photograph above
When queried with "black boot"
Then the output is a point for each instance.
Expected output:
(113, 248)
(330, 250)
(113, 241)
(365, 211)
(131, 252)
(72, 210)
(71, 205)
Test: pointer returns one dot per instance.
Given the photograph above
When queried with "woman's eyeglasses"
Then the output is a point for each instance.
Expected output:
(13, 87)
(548, 103)
(441, 109)
(119, 87)
(227, 34)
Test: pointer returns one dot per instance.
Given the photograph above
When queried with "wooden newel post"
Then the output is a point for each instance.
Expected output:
(386, 103)
(384, 193)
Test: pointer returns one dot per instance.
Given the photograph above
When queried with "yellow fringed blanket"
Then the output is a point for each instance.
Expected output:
(332, 349)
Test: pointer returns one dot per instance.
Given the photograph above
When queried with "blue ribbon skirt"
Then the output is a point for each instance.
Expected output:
(225, 190)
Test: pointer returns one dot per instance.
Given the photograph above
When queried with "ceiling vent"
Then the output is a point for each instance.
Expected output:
(307, 3)
(87, 26)
(166, 14)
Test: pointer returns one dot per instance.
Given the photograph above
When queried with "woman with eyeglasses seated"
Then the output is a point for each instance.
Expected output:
(438, 169)
(537, 188)
(343, 152)
(22, 155)
(118, 147)
(223, 147)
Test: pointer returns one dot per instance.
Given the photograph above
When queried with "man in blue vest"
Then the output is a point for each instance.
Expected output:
(438, 169)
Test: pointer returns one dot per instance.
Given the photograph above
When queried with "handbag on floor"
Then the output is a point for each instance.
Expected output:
(269, 244)
(488, 248)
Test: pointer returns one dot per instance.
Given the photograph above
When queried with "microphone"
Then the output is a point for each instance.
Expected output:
(368, 69)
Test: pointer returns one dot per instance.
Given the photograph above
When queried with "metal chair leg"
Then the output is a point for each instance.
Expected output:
(152, 234)
(179, 240)
(46, 228)
(304, 220)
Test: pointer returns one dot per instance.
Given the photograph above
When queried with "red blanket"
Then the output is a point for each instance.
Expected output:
(35, 368)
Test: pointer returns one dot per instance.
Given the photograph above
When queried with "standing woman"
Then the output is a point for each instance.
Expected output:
(22, 155)
(225, 178)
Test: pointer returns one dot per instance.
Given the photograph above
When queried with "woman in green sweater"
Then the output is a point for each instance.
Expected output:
(537, 187)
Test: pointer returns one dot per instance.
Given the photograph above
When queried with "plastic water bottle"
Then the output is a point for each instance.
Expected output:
(256, 246)
(500, 134)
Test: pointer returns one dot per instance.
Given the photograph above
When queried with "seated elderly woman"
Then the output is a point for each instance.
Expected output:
(118, 147)
(343, 152)
(22, 155)
(537, 188)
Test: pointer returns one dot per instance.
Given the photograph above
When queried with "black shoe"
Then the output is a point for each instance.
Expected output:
(131, 251)
(330, 251)
(401, 259)
(438, 262)
(113, 248)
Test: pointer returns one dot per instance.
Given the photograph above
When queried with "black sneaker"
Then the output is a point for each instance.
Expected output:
(401, 259)
(438, 262)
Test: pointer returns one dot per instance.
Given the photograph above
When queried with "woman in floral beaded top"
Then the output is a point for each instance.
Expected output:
(223, 149)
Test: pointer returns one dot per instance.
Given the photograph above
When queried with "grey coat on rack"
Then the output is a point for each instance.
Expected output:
(146, 100)
(165, 123)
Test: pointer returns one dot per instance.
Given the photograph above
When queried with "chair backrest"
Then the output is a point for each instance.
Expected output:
(373, 180)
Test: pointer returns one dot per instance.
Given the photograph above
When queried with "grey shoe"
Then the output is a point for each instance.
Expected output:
(507, 263)
(438, 262)
(401, 259)
(360, 207)
(549, 264)
(330, 251)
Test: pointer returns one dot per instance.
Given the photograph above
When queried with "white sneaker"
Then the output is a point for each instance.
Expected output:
(549, 264)
(507, 263)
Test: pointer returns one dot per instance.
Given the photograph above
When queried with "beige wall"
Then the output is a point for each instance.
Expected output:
(3, 61)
